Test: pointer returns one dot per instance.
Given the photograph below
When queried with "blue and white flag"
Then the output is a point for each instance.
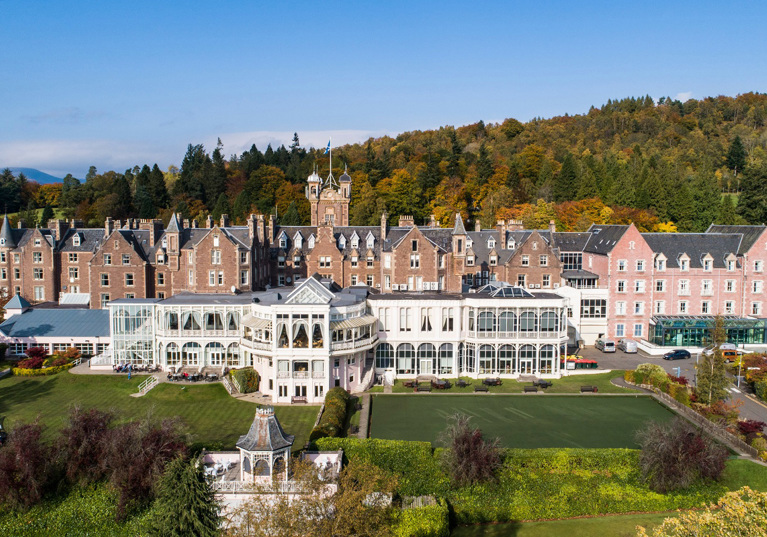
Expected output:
(327, 149)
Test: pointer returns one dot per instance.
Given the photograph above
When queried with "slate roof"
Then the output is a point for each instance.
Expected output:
(750, 234)
(569, 241)
(604, 238)
(265, 433)
(458, 229)
(90, 239)
(63, 323)
(695, 245)
(7, 234)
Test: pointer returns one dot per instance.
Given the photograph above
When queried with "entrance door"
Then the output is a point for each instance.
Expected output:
(426, 366)
(300, 391)
(526, 367)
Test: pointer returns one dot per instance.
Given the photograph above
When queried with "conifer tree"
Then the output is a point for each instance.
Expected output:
(186, 505)
(47, 215)
(566, 182)
(752, 204)
(736, 156)
(484, 164)
(291, 216)
(222, 207)
(710, 376)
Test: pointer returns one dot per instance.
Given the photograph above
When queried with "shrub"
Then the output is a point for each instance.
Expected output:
(628, 376)
(418, 469)
(679, 380)
(679, 392)
(760, 389)
(751, 428)
(759, 443)
(60, 361)
(652, 372)
(36, 352)
(427, 521)
(25, 467)
(247, 378)
(31, 363)
(675, 455)
(3, 349)
(468, 457)
(20, 372)
(333, 416)
(84, 444)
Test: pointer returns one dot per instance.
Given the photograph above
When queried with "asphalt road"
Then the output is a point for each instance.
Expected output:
(750, 408)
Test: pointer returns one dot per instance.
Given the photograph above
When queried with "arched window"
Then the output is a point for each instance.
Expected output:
(214, 353)
(486, 321)
(528, 322)
(547, 359)
(426, 355)
(446, 359)
(527, 360)
(549, 322)
(232, 320)
(317, 339)
(233, 355)
(300, 336)
(190, 354)
(506, 359)
(507, 322)
(172, 318)
(172, 354)
(384, 356)
(191, 320)
(406, 359)
(486, 360)
(282, 339)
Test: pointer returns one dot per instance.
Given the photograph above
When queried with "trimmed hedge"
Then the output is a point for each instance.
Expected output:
(247, 378)
(760, 389)
(647, 375)
(416, 466)
(20, 372)
(333, 416)
(428, 521)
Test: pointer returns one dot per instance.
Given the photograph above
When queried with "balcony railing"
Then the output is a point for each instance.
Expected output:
(344, 345)
(517, 335)
(258, 345)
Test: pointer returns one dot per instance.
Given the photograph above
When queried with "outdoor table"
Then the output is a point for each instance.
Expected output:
(210, 470)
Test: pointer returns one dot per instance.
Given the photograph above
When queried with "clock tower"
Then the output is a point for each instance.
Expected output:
(329, 199)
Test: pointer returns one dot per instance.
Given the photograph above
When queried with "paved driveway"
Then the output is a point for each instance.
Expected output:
(750, 408)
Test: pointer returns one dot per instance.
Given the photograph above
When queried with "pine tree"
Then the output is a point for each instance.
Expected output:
(736, 156)
(295, 144)
(291, 216)
(710, 375)
(752, 204)
(186, 505)
(222, 207)
(454, 160)
(706, 201)
(47, 215)
(484, 164)
(727, 215)
(157, 188)
(566, 182)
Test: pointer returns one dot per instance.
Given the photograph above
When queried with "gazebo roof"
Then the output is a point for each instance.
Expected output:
(265, 434)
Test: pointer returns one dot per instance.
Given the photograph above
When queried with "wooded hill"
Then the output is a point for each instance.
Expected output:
(660, 164)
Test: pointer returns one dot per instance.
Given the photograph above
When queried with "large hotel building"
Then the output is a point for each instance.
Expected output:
(312, 307)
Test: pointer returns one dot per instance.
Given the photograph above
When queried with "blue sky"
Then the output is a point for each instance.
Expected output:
(113, 84)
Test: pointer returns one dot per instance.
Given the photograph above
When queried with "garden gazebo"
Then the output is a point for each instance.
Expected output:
(265, 450)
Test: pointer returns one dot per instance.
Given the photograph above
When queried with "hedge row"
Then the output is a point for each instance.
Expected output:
(20, 372)
(760, 389)
(247, 378)
(661, 381)
(428, 521)
(89, 511)
(333, 416)
(416, 466)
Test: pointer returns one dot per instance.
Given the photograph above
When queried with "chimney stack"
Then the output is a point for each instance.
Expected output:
(515, 225)
(384, 226)
(406, 220)
(209, 222)
(58, 228)
(109, 226)
(252, 226)
(432, 221)
(477, 225)
(224, 220)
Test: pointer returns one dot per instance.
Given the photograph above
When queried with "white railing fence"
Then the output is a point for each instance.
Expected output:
(227, 384)
(147, 385)
(102, 359)
(236, 384)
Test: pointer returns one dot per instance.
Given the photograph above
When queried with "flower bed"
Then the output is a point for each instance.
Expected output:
(44, 371)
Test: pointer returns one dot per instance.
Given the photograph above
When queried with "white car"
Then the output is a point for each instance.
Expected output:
(605, 345)
(629, 346)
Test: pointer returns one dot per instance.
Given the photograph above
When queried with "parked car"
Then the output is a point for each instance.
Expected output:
(678, 354)
(730, 355)
(724, 346)
(605, 345)
(629, 346)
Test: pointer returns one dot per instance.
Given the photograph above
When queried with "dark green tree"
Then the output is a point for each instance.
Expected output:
(566, 181)
(157, 188)
(46, 216)
(144, 203)
(484, 164)
(124, 201)
(454, 159)
(430, 175)
(736, 156)
(222, 207)
(706, 201)
(295, 144)
(291, 216)
(710, 374)
(91, 173)
(752, 203)
(29, 215)
(186, 505)
(195, 169)
(727, 215)
(215, 183)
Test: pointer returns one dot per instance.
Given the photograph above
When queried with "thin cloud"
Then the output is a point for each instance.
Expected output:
(683, 96)
(72, 115)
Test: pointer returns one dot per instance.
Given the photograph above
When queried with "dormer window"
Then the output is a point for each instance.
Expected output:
(283, 241)
(470, 260)
(511, 244)
(342, 242)
(215, 241)
(491, 243)
(2, 242)
(311, 242)
(38, 242)
(160, 258)
(684, 264)
(469, 243)
(660, 264)
(164, 242)
(298, 241)
(371, 242)
(731, 265)
(76, 240)
(355, 242)
(493, 260)
(707, 264)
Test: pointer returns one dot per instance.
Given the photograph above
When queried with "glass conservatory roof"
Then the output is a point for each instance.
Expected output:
(704, 321)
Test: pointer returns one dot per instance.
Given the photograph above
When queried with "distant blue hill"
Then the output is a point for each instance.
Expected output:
(36, 175)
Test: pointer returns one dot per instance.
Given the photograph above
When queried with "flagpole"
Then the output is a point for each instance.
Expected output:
(330, 152)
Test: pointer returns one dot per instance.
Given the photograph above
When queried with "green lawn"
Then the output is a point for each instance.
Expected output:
(570, 384)
(211, 415)
(608, 526)
(520, 421)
